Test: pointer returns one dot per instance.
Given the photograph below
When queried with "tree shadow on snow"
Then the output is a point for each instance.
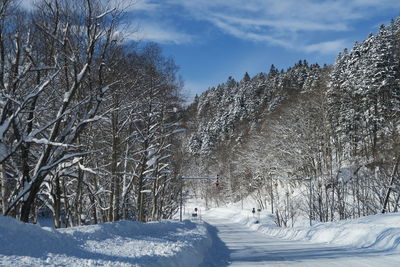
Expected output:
(218, 254)
(288, 254)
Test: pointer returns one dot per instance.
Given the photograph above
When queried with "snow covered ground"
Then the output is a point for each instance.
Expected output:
(123, 243)
(231, 238)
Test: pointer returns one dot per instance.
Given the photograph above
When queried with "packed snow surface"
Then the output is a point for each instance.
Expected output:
(255, 240)
(123, 243)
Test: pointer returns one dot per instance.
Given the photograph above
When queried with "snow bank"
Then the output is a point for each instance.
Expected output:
(381, 232)
(124, 243)
(378, 231)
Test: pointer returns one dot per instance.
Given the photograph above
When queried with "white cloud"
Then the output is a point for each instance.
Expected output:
(144, 5)
(148, 31)
(145, 31)
(246, 35)
(129, 5)
(329, 47)
(276, 22)
(284, 24)
(281, 22)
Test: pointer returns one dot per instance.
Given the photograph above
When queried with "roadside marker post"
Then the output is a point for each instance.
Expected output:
(192, 178)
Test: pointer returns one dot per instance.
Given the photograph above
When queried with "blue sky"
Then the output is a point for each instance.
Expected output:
(213, 39)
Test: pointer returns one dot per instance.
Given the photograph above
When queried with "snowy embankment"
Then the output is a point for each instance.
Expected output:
(379, 232)
(123, 243)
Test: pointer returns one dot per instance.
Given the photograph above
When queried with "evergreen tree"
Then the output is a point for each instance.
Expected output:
(246, 77)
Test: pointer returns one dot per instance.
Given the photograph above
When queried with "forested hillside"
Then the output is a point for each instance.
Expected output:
(327, 136)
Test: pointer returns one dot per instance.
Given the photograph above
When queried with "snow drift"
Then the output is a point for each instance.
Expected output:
(123, 243)
(380, 232)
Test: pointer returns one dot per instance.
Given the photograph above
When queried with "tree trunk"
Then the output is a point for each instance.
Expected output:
(57, 203)
(78, 200)
(4, 188)
(392, 177)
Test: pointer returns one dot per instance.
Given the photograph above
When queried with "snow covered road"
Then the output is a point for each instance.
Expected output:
(247, 247)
